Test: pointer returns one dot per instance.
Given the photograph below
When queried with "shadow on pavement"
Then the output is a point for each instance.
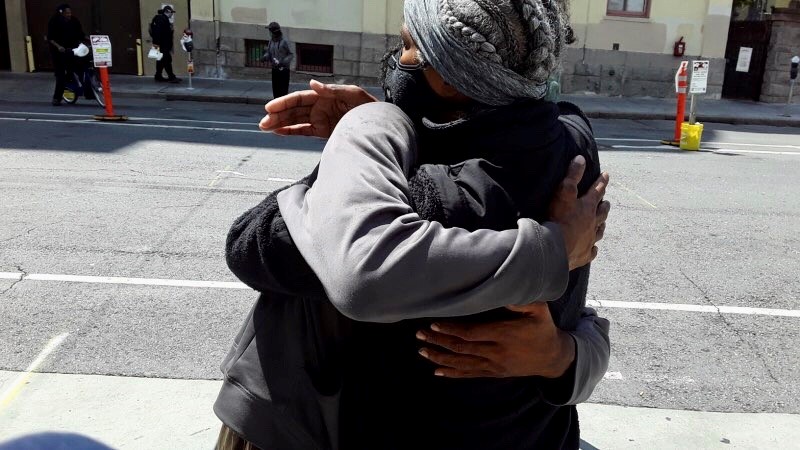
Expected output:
(72, 129)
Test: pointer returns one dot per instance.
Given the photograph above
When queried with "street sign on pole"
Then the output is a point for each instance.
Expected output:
(101, 50)
(699, 84)
(745, 57)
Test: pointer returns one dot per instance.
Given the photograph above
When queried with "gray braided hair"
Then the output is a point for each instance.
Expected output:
(494, 51)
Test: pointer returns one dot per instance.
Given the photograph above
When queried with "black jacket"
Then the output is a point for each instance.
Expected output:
(68, 33)
(285, 385)
(162, 32)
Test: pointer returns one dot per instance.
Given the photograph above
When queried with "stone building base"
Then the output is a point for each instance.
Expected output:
(356, 56)
(630, 74)
(356, 59)
(784, 44)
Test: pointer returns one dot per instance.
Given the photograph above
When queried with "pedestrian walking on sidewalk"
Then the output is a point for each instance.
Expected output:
(64, 33)
(162, 31)
(280, 56)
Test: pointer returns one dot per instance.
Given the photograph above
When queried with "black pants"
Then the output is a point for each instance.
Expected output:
(280, 82)
(63, 70)
(165, 65)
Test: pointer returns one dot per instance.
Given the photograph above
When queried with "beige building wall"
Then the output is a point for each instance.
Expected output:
(668, 22)
(148, 9)
(357, 16)
(17, 22)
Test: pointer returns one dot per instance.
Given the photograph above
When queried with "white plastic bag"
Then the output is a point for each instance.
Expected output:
(81, 51)
(155, 54)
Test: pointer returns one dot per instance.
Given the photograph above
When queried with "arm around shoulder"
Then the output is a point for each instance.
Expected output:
(379, 262)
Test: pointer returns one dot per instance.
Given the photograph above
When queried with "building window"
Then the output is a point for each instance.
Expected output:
(314, 58)
(253, 50)
(629, 8)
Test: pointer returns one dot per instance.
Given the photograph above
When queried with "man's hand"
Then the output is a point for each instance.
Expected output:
(528, 346)
(582, 220)
(315, 112)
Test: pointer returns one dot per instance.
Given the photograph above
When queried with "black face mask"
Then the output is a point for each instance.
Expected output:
(405, 86)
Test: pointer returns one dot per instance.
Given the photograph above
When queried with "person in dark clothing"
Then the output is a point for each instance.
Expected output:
(474, 150)
(279, 54)
(162, 31)
(64, 33)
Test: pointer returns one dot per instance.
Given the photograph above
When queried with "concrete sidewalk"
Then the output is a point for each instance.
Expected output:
(259, 91)
(148, 413)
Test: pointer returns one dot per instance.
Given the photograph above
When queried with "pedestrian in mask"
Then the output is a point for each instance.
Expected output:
(449, 347)
(280, 56)
(162, 31)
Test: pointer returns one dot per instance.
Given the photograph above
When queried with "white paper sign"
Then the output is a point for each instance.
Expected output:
(699, 83)
(745, 56)
(101, 50)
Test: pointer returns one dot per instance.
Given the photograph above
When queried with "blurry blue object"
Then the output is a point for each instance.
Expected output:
(53, 441)
(553, 91)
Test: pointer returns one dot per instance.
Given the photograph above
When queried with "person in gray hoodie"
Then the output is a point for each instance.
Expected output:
(280, 56)
(296, 384)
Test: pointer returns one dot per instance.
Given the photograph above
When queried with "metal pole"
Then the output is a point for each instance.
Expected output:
(29, 48)
(693, 111)
(139, 58)
(191, 72)
(788, 112)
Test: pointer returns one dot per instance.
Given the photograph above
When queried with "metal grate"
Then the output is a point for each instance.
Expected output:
(253, 50)
(315, 58)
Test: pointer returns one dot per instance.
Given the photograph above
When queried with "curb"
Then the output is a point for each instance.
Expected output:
(777, 121)
(611, 115)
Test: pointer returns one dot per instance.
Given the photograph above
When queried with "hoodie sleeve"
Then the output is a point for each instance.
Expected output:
(260, 252)
(380, 262)
(592, 355)
(286, 60)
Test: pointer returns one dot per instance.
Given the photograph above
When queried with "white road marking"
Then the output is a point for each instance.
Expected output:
(128, 124)
(630, 191)
(743, 310)
(734, 144)
(757, 152)
(281, 180)
(711, 150)
(236, 285)
(613, 376)
(230, 172)
(665, 147)
(124, 280)
(23, 378)
(253, 124)
(158, 119)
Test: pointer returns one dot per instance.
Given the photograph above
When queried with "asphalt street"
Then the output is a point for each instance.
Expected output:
(153, 198)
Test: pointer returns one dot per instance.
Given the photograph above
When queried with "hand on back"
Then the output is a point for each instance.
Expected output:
(582, 219)
(313, 112)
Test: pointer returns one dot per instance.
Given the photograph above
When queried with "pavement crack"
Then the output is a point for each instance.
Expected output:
(177, 206)
(27, 232)
(21, 279)
(733, 328)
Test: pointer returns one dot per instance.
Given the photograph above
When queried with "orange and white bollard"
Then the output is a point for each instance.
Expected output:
(109, 115)
(681, 88)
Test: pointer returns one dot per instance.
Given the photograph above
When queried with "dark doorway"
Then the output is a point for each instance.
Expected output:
(5, 55)
(750, 34)
(119, 19)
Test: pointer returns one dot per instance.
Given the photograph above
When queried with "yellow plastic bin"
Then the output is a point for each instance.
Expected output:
(691, 136)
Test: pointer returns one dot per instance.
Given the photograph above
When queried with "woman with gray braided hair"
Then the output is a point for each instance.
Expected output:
(387, 274)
